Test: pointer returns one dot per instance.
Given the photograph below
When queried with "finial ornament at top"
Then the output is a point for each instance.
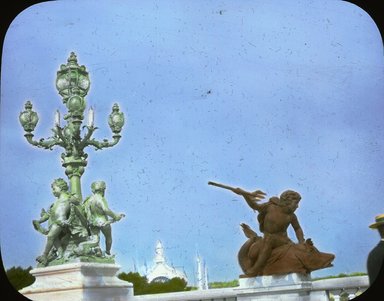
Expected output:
(72, 60)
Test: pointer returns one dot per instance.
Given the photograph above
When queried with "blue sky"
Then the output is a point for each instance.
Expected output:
(272, 95)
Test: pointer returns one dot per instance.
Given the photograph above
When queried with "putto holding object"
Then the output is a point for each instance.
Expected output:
(97, 212)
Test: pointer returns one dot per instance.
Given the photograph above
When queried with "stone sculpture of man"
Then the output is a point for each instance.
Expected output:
(274, 253)
(58, 221)
(274, 218)
(97, 213)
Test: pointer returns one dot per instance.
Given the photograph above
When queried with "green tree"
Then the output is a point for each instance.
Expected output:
(221, 284)
(177, 285)
(140, 283)
(173, 285)
(142, 287)
(19, 277)
(341, 275)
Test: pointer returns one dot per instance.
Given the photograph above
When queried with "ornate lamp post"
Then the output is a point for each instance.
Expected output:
(73, 84)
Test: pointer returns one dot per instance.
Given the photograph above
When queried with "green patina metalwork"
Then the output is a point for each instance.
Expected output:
(73, 85)
(72, 233)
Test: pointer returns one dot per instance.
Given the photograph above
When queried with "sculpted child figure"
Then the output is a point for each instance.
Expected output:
(97, 212)
(58, 217)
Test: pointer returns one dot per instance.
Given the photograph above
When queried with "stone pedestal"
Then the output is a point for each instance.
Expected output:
(293, 287)
(274, 280)
(81, 281)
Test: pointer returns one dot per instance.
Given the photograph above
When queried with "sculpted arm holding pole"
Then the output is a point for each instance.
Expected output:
(250, 197)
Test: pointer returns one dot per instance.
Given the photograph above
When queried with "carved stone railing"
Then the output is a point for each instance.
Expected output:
(336, 289)
(340, 289)
(292, 287)
(221, 294)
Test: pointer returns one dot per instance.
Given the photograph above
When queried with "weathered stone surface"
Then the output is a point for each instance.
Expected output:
(78, 282)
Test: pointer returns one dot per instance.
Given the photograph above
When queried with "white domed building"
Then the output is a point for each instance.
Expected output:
(162, 271)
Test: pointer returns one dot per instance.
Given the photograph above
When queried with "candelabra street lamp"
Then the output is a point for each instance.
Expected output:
(73, 84)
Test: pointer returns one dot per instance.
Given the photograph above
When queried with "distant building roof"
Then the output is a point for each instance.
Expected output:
(162, 271)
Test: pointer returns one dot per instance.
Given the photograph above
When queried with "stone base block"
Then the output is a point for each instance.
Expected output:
(289, 287)
(80, 281)
(274, 280)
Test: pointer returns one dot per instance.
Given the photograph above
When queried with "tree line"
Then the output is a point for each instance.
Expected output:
(141, 285)
(20, 277)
